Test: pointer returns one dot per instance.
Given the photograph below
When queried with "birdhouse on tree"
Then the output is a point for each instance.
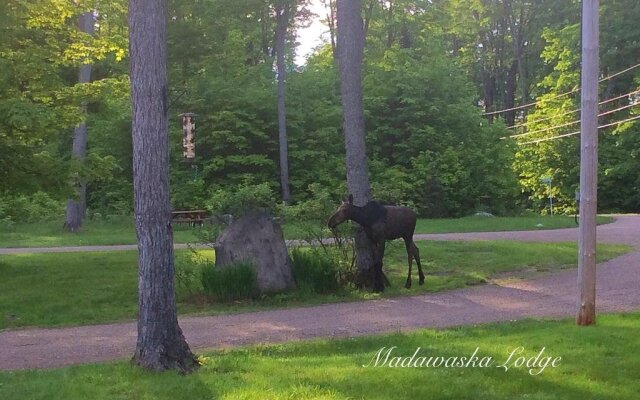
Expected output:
(188, 136)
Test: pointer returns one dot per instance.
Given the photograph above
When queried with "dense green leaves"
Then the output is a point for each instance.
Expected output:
(557, 114)
(428, 65)
(40, 50)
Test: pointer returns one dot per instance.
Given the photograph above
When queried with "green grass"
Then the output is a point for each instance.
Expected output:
(120, 230)
(116, 230)
(88, 288)
(598, 362)
(495, 224)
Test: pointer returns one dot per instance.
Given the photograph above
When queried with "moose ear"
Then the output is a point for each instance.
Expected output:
(350, 199)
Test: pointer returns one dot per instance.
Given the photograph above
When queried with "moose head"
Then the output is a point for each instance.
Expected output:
(343, 212)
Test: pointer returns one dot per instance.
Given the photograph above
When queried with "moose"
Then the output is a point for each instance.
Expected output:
(382, 223)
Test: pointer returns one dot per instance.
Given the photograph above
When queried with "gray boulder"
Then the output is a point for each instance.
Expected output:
(257, 239)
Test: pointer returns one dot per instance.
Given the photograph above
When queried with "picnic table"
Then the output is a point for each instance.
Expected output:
(191, 217)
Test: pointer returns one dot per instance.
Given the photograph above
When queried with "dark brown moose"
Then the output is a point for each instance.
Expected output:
(382, 223)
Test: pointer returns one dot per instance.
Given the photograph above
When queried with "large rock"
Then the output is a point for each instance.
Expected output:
(256, 238)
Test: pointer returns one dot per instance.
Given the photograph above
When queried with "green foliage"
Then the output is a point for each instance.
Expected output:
(308, 219)
(430, 149)
(188, 192)
(39, 100)
(36, 207)
(233, 282)
(556, 115)
(190, 268)
(244, 199)
(313, 270)
(427, 67)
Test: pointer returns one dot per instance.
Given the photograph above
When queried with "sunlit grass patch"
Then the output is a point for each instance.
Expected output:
(597, 362)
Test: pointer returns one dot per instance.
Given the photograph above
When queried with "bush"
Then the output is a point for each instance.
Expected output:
(232, 282)
(242, 200)
(36, 207)
(315, 271)
(189, 269)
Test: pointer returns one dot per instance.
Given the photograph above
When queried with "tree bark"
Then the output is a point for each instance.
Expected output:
(282, 15)
(161, 344)
(510, 89)
(350, 52)
(331, 21)
(77, 206)
(489, 89)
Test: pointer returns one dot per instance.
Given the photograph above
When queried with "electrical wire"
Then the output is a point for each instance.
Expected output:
(570, 112)
(568, 123)
(562, 94)
(578, 132)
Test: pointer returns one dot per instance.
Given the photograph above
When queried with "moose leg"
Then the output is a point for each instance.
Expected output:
(378, 285)
(416, 255)
(410, 261)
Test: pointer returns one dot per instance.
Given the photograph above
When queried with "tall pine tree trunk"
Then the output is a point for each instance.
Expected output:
(161, 344)
(282, 16)
(77, 206)
(350, 52)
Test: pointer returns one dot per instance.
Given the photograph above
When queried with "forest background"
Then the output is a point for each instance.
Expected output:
(432, 72)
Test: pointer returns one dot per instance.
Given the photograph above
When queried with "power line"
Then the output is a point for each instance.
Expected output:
(543, 119)
(530, 104)
(578, 132)
(570, 112)
(568, 123)
(562, 94)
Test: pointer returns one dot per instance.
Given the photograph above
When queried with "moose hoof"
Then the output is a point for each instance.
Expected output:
(407, 285)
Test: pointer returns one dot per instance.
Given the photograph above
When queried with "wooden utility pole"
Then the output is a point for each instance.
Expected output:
(588, 164)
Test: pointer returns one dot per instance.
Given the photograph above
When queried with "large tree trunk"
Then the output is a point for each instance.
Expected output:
(510, 90)
(282, 15)
(161, 344)
(489, 89)
(77, 206)
(331, 22)
(350, 55)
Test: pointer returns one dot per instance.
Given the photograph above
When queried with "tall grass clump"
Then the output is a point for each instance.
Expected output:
(233, 282)
(315, 271)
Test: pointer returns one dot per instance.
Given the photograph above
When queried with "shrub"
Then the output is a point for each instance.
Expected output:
(232, 282)
(188, 274)
(315, 271)
(36, 207)
(242, 200)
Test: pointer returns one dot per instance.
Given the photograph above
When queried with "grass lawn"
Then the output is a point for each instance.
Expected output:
(598, 362)
(88, 288)
(117, 230)
(495, 224)
(120, 230)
